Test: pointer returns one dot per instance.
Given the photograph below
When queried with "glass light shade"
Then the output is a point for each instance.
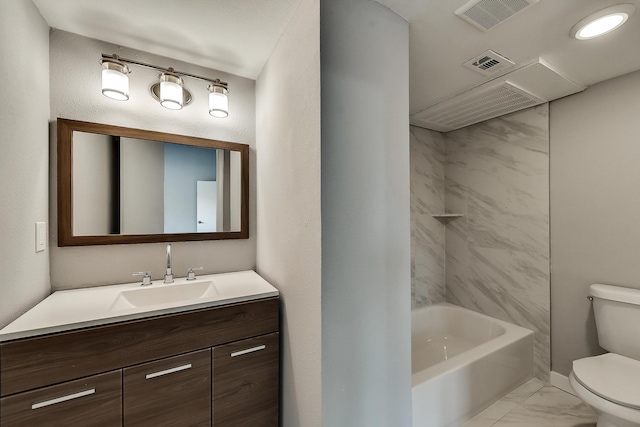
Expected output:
(218, 102)
(602, 26)
(171, 94)
(602, 22)
(115, 84)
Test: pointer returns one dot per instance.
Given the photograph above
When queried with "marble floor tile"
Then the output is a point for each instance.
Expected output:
(525, 391)
(502, 407)
(492, 414)
(536, 405)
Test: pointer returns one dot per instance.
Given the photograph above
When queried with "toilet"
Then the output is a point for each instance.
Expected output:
(610, 383)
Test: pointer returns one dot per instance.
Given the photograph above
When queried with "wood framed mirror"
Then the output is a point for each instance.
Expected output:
(122, 185)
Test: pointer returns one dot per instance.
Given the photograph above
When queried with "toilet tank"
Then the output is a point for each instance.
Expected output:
(617, 313)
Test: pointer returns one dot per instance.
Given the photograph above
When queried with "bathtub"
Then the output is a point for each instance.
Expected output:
(462, 362)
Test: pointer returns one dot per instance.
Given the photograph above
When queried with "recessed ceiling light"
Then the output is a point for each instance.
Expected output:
(602, 22)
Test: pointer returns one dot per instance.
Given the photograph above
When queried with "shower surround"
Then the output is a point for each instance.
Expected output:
(427, 233)
(495, 258)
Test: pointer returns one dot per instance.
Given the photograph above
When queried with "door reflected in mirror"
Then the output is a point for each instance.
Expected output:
(130, 186)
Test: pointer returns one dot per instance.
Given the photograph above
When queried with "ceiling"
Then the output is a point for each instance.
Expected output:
(234, 36)
(237, 36)
(440, 42)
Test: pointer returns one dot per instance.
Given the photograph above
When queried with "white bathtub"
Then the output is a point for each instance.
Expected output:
(462, 362)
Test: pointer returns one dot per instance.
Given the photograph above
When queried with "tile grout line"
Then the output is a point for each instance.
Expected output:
(518, 405)
(528, 396)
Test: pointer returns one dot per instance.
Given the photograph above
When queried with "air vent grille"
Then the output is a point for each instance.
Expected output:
(485, 63)
(476, 106)
(489, 63)
(486, 14)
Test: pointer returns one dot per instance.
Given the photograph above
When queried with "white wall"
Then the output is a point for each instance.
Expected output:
(142, 186)
(288, 254)
(24, 156)
(75, 94)
(595, 208)
(235, 181)
(93, 183)
(366, 298)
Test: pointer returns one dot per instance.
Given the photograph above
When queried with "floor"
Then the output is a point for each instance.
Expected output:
(536, 404)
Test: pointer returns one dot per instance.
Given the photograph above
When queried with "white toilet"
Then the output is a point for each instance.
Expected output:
(610, 383)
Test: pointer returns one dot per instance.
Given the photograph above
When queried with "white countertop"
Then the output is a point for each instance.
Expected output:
(79, 308)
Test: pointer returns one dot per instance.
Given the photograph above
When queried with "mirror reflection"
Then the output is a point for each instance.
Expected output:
(135, 186)
(123, 185)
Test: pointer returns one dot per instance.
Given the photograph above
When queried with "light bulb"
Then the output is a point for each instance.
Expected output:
(115, 82)
(601, 26)
(602, 22)
(218, 101)
(171, 94)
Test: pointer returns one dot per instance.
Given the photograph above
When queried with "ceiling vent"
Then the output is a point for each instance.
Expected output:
(475, 106)
(533, 84)
(486, 14)
(489, 63)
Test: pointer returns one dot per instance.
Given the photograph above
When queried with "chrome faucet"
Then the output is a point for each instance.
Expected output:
(168, 277)
(191, 273)
(146, 280)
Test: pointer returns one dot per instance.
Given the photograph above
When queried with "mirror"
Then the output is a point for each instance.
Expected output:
(122, 185)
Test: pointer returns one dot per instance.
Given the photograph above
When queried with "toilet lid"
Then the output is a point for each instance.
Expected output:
(611, 376)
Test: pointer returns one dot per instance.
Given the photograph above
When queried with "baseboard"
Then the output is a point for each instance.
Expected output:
(561, 382)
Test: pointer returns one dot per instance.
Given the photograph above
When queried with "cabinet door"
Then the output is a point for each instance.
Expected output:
(88, 402)
(175, 391)
(245, 382)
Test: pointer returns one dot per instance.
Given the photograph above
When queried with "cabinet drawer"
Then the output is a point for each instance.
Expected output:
(245, 382)
(175, 391)
(94, 401)
(36, 362)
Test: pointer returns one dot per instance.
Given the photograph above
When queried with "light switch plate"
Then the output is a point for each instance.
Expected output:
(41, 236)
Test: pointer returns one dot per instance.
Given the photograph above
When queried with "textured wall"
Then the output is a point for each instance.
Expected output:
(75, 94)
(497, 255)
(24, 156)
(595, 232)
(427, 232)
(366, 324)
(92, 192)
(288, 251)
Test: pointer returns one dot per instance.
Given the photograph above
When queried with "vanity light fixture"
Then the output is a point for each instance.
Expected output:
(115, 82)
(218, 100)
(169, 91)
(602, 22)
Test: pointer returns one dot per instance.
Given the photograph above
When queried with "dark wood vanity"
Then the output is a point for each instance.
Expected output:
(214, 366)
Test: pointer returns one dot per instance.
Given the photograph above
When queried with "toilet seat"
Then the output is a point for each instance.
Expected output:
(612, 377)
(609, 414)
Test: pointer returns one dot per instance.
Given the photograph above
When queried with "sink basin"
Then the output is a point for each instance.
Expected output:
(159, 295)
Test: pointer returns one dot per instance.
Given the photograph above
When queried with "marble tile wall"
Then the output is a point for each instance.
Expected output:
(497, 255)
(427, 233)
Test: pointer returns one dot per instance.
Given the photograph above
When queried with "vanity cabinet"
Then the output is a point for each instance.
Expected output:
(245, 389)
(92, 402)
(213, 366)
(174, 391)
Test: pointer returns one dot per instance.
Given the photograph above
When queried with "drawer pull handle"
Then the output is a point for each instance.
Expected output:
(249, 350)
(63, 398)
(168, 371)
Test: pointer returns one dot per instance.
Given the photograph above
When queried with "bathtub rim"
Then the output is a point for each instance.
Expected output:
(512, 333)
